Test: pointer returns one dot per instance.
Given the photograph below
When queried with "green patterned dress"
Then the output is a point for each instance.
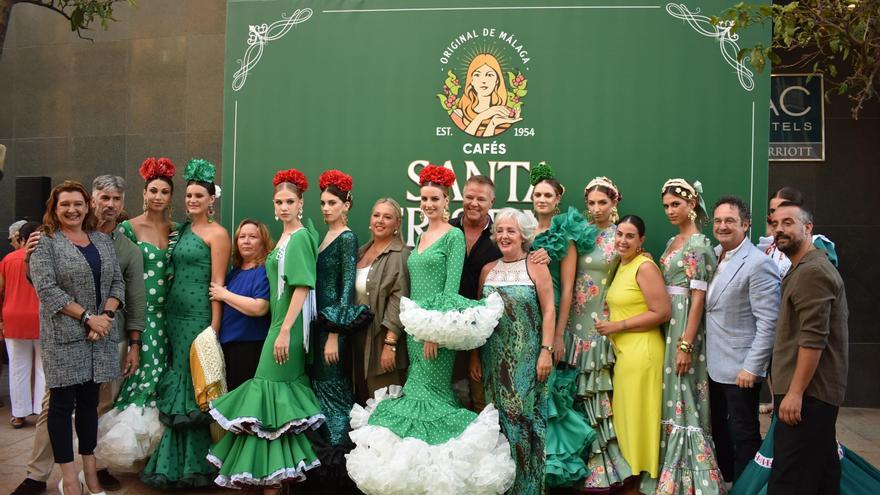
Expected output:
(510, 358)
(179, 460)
(593, 356)
(687, 453)
(266, 416)
(418, 440)
(131, 430)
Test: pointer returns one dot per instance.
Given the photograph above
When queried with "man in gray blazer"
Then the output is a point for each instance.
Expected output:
(742, 305)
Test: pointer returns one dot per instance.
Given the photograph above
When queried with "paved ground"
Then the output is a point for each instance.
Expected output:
(858, 429)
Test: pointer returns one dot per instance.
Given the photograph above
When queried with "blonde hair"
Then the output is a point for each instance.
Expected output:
(265, 237)
(397, 215)
(469, 96)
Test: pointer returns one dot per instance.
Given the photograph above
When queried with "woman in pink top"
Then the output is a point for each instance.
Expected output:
(20, 326)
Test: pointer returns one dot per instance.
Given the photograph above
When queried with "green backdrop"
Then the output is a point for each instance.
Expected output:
(638, 92)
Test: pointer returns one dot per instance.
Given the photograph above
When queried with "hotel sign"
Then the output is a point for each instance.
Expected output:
(797, 115)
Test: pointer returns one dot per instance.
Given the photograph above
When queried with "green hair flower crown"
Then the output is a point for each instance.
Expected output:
(540, 172)
(200, 170)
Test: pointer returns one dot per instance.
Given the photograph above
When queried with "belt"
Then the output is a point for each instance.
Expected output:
(677, 291)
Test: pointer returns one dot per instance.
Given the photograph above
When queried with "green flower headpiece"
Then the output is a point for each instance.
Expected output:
(200, 170)
(540, 172)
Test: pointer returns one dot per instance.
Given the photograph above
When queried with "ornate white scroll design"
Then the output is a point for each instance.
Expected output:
(722, 32)
(260, 35)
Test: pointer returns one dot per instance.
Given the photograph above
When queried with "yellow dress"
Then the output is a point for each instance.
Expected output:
(638, 374)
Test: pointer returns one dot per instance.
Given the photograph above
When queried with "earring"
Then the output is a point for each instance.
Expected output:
(300, 214)
(446, 214)
(615, 216)
(396, 232)
(345, 218)
(211, 213)
(145, 205)
(421, 216)
(692, 215)
(556, 211)
(169, 211)
(276, 218)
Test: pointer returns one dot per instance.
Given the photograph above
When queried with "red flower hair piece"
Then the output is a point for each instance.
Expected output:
(153, 168)
(341, 180)
(438, 175)
(293, 176)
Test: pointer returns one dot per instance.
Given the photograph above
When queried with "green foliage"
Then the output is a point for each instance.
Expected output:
(84, 13)
(838, 39)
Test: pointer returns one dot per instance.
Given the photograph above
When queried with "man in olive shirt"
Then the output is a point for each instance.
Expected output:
(108, 194)
(809, 362)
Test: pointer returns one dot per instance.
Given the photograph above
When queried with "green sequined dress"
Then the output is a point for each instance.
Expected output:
(418, 440)
(267, 416)
(179, 460)
(510, 381)
(687, 452)
(131, 430)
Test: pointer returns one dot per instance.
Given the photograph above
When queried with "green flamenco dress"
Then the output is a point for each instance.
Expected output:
(418, 440)
(567, 431)
(130, 431)
(510, 381)
(592, 355)
(337, 313)
(857, 476)
(179, 460)
(268, 415)
(687, 452)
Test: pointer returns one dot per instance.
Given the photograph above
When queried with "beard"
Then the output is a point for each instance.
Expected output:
(790, 246)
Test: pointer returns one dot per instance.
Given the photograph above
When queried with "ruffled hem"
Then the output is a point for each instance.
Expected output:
(267, 409)
(567, 433)
(689, 462)
(344, 319)
(476, 462)
(453, 322)
(563, 470)
(567, 227)
(127, 436)
(241, 480)
(177, 404)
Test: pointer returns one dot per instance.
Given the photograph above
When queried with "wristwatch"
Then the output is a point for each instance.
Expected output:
(393, 347)
(110, 313)
(85, 317)
(548, 347)
(137, 342)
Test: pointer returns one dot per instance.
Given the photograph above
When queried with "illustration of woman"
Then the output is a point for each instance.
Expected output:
(482, 110)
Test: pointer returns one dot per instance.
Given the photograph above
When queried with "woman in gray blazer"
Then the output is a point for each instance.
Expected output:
(79, 284)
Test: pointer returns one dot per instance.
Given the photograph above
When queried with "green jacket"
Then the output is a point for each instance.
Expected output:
(131, 262)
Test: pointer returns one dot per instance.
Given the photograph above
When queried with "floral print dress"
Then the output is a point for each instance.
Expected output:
(687, 452)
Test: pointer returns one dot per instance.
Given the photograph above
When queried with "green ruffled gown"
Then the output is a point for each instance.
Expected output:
(335, 294)
(509, 359)
(687, 452)
(130, 431)
(179, 460)
(593, 357)
(857, 476)
(418, 440)
(266, 416)
(568, 433)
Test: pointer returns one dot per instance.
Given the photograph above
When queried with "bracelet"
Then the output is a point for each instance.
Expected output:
(391, 346)
(685, 346)
(548, 347)
(136, 342)
(623, 322)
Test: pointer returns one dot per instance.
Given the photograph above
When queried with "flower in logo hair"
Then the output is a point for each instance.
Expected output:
(153, 168)
(539, 172)
(293, 176)
(336, 178)
(438, 175)
(199, 170)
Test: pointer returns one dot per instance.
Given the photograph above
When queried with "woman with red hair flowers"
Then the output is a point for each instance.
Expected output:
(338, 317)
(131, 430)
(418, 439)
(268, 415)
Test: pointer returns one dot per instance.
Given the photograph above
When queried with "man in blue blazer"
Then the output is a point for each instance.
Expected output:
(742, 305)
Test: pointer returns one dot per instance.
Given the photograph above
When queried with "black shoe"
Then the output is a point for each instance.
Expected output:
(108, 481)
(30, 487)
